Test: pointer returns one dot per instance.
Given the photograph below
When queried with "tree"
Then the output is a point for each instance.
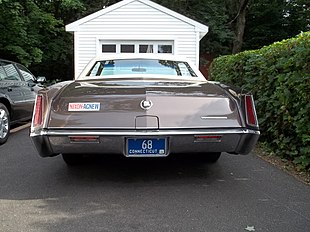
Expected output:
(239, 9)
(33, 34)
(92, 6)
(33, 31)
(212, 13)
(57, 62)
(64, 10)
(269, 21)
(296, 16)
(26, 26)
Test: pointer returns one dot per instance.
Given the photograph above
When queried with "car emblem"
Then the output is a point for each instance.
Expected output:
(146, 104)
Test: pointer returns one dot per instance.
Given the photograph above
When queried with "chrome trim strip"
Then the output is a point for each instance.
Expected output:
(24, 101)
(213, 117)
(142, 133)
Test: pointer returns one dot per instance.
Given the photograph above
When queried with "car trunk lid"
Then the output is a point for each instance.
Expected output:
(143, 104)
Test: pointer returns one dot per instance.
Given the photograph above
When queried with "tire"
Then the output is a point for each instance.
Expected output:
(210, 157)
(73, 159)
(4, 124)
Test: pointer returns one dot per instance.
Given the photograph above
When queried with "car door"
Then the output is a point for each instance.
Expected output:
(30, 84)
(15, 89)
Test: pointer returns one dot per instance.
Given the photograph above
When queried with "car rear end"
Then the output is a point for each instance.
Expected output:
(143, 118)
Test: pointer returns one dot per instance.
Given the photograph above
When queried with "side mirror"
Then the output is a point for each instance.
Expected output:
(41, 80)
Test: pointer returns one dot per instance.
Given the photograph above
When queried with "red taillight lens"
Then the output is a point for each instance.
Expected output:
(208, 138)
(37, 117)
(250, 111)
(84, 139)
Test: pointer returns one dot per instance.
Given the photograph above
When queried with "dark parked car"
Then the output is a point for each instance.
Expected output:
(143, 106)
(18, 87)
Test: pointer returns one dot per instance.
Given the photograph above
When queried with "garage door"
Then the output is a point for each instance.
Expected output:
(117, 47)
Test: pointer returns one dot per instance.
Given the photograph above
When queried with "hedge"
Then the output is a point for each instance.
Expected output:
(279, 78)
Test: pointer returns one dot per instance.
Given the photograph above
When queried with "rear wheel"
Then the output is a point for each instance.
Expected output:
(72, 159)
(4, 124)
(210, 157)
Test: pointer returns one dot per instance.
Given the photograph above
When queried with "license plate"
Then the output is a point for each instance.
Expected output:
(146, 147)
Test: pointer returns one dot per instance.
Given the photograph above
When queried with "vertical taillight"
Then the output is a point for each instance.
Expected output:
(37, 117)
(250, 111)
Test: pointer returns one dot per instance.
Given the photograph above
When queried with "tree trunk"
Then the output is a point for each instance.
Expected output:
(238, 33)
(239, 26)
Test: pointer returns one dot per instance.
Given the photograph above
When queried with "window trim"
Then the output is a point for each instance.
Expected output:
(154, 43)
(21, 68)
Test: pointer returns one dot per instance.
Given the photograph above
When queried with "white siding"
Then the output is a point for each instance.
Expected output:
(134, 21)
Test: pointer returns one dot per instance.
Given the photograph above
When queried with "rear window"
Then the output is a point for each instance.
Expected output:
(141, 66)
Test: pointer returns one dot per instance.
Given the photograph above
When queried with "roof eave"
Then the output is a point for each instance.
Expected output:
(74, 25)
(203, 29)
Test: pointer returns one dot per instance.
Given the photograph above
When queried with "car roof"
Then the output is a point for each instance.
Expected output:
(7, 60)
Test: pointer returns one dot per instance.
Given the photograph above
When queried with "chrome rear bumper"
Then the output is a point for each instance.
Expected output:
(54, 142)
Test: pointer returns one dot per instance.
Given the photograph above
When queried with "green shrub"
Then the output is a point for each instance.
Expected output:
(279, 78)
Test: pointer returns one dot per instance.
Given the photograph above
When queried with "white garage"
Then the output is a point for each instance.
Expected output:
(135, 26)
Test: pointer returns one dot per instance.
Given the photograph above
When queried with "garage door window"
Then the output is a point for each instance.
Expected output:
(146, 48)
(162, 48)
(108, 48)
(127, 48)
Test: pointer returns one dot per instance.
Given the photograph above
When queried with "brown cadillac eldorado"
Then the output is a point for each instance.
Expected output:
(143, 106)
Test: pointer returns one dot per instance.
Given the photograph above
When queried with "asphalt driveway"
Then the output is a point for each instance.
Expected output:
(239, 193)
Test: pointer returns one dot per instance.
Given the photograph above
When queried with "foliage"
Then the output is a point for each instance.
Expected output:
(33, 34)
(25, 26)
(274, 20)
(209, 12)
(279, 77)
(33, 31)
(266, 21)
